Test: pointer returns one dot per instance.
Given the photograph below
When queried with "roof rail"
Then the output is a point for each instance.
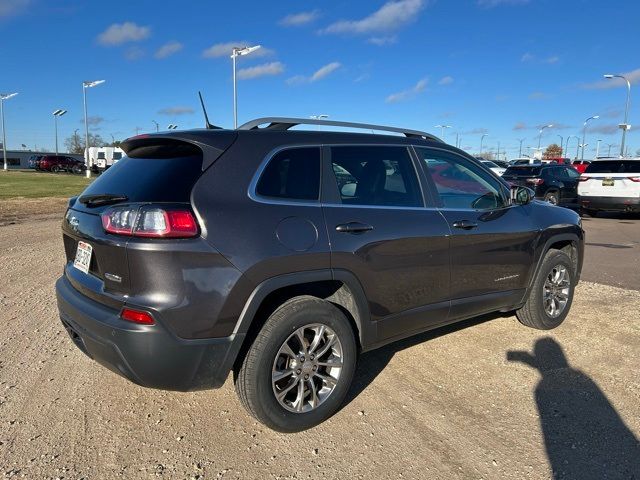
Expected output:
(285, 123)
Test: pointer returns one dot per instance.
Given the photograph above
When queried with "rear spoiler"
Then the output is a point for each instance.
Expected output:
(208, 143)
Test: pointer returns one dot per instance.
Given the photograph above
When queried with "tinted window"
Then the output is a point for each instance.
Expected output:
(461, 183)
(292, 174)
(372, 175)
(522, 171)
(150, 180)
(614, 166)
(572, 173)
(117, 155)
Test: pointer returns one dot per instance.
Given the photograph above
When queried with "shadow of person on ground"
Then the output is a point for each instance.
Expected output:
(584, 436)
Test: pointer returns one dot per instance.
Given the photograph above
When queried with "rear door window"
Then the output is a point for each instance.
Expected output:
(376, 175)
(614, 166)
(292, 174)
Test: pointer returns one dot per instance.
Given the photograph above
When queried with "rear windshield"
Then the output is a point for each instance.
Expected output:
(149, 179)
(522, 171)
(614, 166)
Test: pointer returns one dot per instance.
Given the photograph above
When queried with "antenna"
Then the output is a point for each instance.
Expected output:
(207, 125)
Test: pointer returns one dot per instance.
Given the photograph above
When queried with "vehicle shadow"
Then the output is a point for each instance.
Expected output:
(370, 364)
(584, 436)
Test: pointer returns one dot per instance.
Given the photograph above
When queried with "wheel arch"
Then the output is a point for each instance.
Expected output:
(570, 243)
(339, 287)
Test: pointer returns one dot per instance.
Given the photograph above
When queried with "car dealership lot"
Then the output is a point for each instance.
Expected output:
(449, 404)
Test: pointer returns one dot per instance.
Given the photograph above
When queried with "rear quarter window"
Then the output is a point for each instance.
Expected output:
(522, 171)
(292, 174)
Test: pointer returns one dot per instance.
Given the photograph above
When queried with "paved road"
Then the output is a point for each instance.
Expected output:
(612, 251)
(486, 399)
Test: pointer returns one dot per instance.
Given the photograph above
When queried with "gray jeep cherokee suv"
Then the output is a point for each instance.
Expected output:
(281, 254)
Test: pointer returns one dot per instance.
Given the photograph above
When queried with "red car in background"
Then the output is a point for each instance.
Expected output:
(60, 163)
(581, 165)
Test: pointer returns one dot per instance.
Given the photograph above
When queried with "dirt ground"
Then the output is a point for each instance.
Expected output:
(488, 399)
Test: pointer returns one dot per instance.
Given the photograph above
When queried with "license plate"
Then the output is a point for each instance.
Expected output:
(83, 257)
(608, 182)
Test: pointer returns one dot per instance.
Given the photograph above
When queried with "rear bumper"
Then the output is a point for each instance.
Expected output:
(148, 355)
(615, 204)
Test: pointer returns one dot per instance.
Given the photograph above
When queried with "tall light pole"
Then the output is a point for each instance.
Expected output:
(624, 126)
(609, 151)
(238, 52)
(157, 125)
(442, 127)
(56, 114)
(498, 154)
(584, 132)
(87, 157)
(3, 97)
(520, 150)
(540, 133)
(481, 142)
(598, 148)
(561, 144)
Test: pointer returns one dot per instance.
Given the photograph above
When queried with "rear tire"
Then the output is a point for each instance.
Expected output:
(588, 212)
(278, 362)
(55, 169)
(552, 197)
(76, 169)
(551, 294)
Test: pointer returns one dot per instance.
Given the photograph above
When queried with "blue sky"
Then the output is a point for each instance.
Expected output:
(503, 67)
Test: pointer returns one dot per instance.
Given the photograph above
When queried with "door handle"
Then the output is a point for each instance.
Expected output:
(465, 225)
(353, 227)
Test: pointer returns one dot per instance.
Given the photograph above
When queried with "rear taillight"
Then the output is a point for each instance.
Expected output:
(150, 222)
(634, 179)
(137, 316)
(583, 178)
(535, 181)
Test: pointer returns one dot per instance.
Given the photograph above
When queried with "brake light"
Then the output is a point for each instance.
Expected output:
(136, 316)
(583, 178)
(634, 179)
(150, 222)
(535, 181)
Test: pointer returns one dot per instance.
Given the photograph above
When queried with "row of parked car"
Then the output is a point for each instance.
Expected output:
(57, 163)
(590, 185)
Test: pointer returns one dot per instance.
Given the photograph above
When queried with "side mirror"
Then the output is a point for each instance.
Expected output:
(521, 195)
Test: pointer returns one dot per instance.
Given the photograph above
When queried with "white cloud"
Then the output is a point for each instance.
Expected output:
(409, 93)
(527, 57)
(12, 7)
(319, 74)
(390, 17)
(498, 3)
(120, 33)
(520, 126)
(93, 120)
(380, 41)
(633, 76)
(134, 53)
(609, 129)
(297, 19)
(273, 68)
(225, 49)
(173, 111)
(552, 59)
(538, 96)
(445, 80)
(168, 49)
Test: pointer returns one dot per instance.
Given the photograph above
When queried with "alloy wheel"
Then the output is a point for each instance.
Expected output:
(555, 291)
(307, 368)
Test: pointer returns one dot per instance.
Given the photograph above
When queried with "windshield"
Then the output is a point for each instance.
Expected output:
(614, 166)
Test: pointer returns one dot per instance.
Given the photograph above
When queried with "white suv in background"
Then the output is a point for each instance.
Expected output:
(610, 185)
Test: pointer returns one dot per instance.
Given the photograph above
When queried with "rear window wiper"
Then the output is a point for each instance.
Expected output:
(102, 199)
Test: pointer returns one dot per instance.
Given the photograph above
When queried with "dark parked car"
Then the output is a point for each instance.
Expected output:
(60, 163)
(34, 161)
(282, 254)
(556, 184)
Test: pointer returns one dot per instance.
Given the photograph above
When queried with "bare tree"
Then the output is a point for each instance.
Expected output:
(75, 143)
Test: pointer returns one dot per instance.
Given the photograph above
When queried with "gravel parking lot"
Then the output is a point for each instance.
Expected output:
(485, 399)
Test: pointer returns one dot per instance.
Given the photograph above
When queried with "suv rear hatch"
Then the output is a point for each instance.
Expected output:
(527, 176)
(611, 178)
(158, 170)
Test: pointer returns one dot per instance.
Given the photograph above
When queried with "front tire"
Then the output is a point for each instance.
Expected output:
(551, 294)
(299, 368)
